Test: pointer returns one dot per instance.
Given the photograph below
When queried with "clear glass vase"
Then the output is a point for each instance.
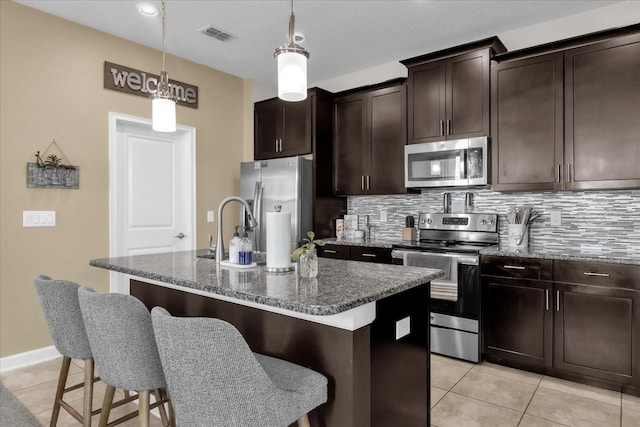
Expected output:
(308, 263)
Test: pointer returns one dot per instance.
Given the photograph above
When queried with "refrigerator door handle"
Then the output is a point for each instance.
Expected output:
(257, 211)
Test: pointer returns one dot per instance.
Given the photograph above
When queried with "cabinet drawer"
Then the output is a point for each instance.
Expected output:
(361, 253)
(522, 268)
(597, 273)
(334, 251)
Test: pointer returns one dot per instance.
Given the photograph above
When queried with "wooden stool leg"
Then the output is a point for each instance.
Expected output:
(88, 393)
(172, 415)
(62, 380)
(106, 406)
(303, 421)
(143, 410)
(163, 413)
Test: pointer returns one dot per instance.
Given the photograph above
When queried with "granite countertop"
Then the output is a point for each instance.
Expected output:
(340, 286)
(566, 254)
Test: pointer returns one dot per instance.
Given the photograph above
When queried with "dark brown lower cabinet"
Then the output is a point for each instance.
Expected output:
(356, 253)
(518, 321)
(596, 332)
(584, 325)
(597, 321)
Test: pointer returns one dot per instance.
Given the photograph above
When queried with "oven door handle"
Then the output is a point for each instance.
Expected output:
(468, 261)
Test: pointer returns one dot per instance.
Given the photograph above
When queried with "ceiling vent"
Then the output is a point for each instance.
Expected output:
(216, 33)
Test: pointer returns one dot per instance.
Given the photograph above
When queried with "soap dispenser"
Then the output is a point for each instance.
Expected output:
(234, 248)
(246, 249)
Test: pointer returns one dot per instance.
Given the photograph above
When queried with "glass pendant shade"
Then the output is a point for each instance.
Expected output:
(163, 112)
(292, 67)
(292, 76)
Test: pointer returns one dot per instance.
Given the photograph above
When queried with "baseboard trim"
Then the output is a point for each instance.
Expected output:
(27, 358)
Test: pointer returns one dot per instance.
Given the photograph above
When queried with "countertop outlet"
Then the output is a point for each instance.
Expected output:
(556, 218)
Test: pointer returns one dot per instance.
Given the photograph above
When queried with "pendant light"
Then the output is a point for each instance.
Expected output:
(163, 105)
(292, 67)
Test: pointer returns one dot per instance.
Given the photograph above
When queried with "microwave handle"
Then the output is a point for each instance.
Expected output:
(464, 168)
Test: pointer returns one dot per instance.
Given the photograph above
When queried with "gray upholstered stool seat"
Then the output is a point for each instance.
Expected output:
(59, 302)
(215, 380)
(121, 337)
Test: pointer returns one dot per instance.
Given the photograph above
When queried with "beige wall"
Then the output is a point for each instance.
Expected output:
(51, 87)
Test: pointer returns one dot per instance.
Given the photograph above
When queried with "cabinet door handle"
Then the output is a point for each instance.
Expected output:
(559, 172)
(588, 273)
(362, 182)
(276, 141)
(514, 267)
(568, 172)
(330, 251)
(281, 142)
(368, 182)
(449, 130)
(557, 300)
(441, 127)
(546, 297)
(369, 255)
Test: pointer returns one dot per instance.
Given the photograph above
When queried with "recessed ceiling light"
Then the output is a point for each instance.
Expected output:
(147, 9)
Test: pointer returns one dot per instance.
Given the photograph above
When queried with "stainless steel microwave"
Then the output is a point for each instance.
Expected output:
(460, 162)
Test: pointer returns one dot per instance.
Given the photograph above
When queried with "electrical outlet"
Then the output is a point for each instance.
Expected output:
(210, 216)
(556, 218)
(403, 327)
(383, 216)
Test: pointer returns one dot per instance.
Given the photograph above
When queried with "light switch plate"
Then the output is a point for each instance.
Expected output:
(383, 216)
(38, 218)
(210, 216)
(403, 327)
(556, 218)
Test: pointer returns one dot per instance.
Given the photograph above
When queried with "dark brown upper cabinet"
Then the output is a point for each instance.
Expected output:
(602, 117)
(527, 124)
(448, 92)
(282, 129)
(369, 134)
(565, 115)
(304, 127)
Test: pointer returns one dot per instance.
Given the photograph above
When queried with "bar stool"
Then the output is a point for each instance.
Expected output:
(215, 380)
(121, 337)
(59, 302)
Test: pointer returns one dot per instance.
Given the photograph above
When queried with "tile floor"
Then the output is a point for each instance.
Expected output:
(470, 395)
(462, 395)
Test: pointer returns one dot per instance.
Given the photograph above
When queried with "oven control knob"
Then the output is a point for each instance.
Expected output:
(483, 222)
(422, 221)
(429, 220)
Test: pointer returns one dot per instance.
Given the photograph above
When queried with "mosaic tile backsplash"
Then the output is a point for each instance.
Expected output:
(591, 221)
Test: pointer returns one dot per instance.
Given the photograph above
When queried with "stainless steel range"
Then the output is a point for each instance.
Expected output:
(452, 242)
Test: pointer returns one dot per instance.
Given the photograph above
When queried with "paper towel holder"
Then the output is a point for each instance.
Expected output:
(279, 270)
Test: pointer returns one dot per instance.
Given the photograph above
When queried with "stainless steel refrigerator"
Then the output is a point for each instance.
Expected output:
(285, 182)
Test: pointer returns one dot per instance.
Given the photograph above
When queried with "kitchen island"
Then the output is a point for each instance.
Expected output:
(362, 325)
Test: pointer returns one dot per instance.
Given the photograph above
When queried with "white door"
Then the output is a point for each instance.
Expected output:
(152, 191)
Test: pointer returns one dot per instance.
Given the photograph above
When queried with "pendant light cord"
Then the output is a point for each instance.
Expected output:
(164, 38)
(292, 21)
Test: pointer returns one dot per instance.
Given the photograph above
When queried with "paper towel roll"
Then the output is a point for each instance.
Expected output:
(278, 239)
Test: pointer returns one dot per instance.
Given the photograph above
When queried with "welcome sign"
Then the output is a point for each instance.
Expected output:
(136, 82)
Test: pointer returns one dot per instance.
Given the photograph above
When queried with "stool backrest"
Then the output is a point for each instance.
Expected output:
(59, 302)
(212, 375)
(121, 336)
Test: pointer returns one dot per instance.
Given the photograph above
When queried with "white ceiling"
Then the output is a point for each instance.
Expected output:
(342, 36)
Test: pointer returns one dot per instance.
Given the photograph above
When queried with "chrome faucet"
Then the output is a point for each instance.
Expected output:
(251, 219)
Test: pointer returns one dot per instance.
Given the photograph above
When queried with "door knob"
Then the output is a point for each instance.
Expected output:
(180, 236)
